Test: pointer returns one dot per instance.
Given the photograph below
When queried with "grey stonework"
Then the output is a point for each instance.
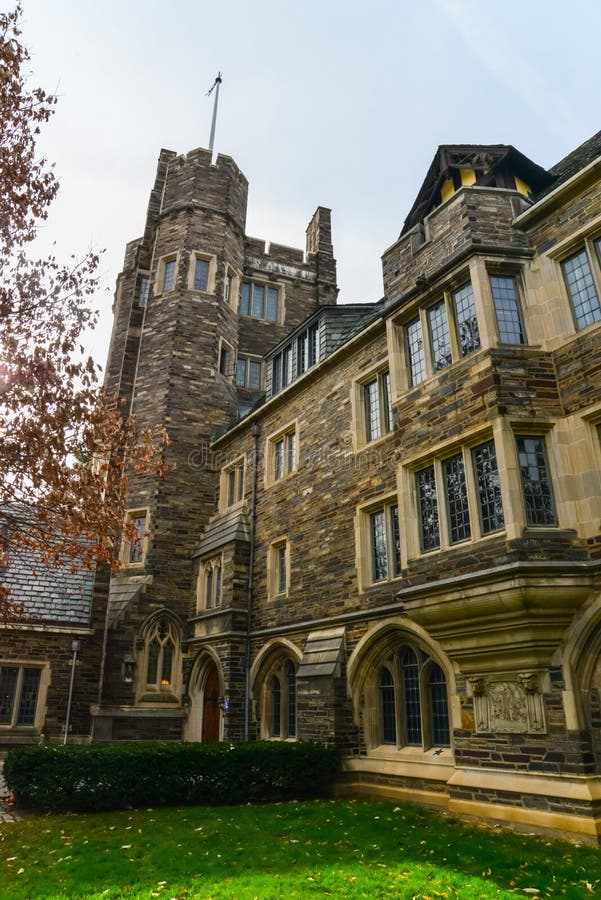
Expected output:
(508, 615)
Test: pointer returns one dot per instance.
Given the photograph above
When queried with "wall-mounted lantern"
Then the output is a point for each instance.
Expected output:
(128, 668)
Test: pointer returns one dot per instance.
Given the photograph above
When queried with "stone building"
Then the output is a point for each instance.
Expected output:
(380, 526)
(50, 657)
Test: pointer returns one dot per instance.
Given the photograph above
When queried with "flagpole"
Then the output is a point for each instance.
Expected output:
(216, 84)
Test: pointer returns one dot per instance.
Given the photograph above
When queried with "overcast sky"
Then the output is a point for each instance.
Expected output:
(337, 103)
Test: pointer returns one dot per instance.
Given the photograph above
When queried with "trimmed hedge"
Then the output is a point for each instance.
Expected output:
(76, 778)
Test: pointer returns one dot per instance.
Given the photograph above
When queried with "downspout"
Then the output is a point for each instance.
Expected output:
(251, 560)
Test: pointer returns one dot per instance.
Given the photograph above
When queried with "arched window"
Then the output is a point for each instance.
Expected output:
(411, 701)
(439, 708)
(279, 720)
(161, 650)
(387, 706)
(210, 581)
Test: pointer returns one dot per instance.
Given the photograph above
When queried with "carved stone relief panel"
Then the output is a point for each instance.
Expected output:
(508, 707)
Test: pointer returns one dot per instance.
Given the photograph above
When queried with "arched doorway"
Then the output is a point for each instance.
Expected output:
(211, 713)
(204, 690)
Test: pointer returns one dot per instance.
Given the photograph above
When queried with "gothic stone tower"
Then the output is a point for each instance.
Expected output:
(196, 307)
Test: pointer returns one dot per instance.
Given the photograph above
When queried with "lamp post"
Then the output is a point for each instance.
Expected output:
(75, 646)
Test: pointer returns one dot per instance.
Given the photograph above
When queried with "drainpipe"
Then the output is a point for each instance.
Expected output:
(251, 560)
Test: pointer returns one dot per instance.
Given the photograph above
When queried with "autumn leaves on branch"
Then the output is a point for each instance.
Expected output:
(63, 485)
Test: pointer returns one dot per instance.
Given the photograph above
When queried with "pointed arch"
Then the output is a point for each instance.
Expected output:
(158, 657)
(205, 691)
(580, 659)
(273, 689)
(399, 680)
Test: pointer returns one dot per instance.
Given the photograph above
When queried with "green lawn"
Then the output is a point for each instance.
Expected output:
(313, 849)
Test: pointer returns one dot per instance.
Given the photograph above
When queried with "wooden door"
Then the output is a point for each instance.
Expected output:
(210, 707)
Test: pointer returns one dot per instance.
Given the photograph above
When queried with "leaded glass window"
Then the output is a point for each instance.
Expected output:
(272, 304)
(507, 309)
(468, 335)
(373, 428)
(143, 290)
(169, 275)
(387, 706)
(276, 706)
(378, 545)
(291, 687)
(488, 487)
(439, 709)
(201, 275)
(160, 643)
(440, 339)
(384, 542)
(581, 288)
(19, 693)
(411, 701)
(279, 694)
(411, 697)
(211, 588)
(135, 552)
(428, 509)
(416, 359)
(278, 567)
(536, 483)
(377, 406)
(259, 300)
(284, 455)
(245, 298)
(456, 497)
(282, 574)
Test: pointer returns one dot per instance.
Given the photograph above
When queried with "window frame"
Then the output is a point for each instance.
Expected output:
(232, 484)
(211, 259)
(247, 310)
(225, 357)
(473, 500)
(248, 361)
(365, 542)
(125, 554)
(142, 293)
(288, 438)
(364, 426)
(209, 591)
(533, 435)
(590, 246)
(518, 289)
(231, 295)
(148, 691)
(40, 699)
(287, 712)
(278, 569)
(408, 702)
(416, 371)
(161, 272)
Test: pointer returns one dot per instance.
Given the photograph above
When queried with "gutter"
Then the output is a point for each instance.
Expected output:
(541, 206)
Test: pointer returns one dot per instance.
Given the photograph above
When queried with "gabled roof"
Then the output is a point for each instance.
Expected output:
(485, 159)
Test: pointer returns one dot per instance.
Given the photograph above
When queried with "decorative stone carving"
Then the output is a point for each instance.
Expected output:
(534, 702)
(481, 708)
(510, 707)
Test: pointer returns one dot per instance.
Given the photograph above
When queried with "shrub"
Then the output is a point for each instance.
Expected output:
(75, 778)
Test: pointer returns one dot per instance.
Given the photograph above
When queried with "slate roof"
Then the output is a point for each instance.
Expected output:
(48, 594)
(577, 159)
